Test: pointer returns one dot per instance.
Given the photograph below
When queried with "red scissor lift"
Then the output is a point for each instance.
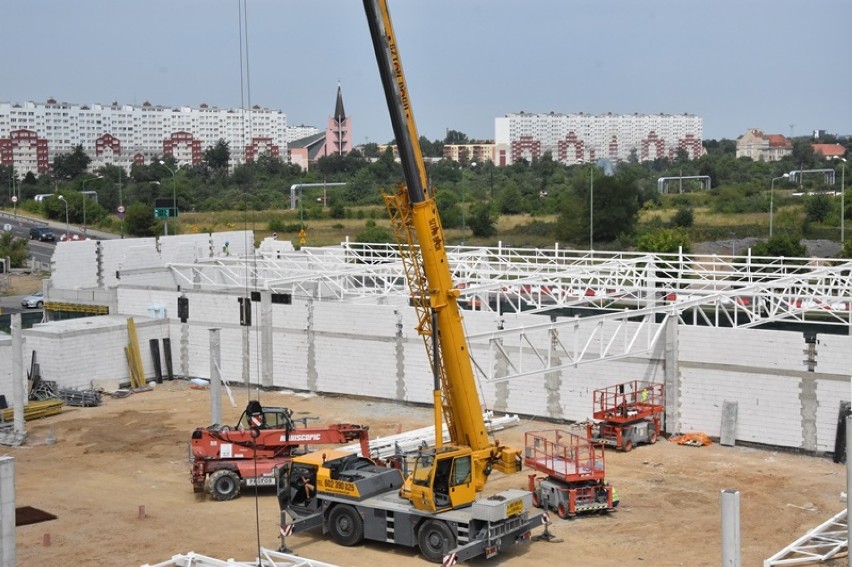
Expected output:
(627, 414)
(575, 472)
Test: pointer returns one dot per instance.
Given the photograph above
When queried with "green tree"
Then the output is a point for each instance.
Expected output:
(664, 240)
(455, 137)
(139, 220)
(817, 207)
(481, 222)
(777, 246)
(219, 156)
(69, 166)
(374, 233)
(684, 217)
(616, 208)
(14, 248)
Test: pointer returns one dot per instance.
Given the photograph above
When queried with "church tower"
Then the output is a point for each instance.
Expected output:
(338, 133)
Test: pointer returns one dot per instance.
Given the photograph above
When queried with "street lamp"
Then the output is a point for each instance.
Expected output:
(772, 198)
(61, 198)
(842, 199)
(174, 194)
(591, 207)
(83, 193)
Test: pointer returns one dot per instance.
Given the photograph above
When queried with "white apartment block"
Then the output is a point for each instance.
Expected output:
(581, 138)
(32, 133)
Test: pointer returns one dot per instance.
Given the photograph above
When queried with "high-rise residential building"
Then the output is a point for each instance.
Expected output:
(582, 138)
(32, 133)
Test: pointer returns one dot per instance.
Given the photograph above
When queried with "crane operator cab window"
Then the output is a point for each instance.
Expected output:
(450, 475)
(423, 469)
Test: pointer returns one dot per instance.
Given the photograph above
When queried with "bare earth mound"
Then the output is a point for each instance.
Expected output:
(110, 460)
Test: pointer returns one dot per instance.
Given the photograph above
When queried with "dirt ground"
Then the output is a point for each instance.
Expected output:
(95, 467)
(19, 284)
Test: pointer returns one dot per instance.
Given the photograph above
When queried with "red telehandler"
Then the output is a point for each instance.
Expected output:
(264, 438)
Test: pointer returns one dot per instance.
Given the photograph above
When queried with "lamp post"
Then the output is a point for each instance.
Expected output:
(61, 198)
(772, 198)
(174, 194)
(842, 199)
(592, 208)
(83, 193)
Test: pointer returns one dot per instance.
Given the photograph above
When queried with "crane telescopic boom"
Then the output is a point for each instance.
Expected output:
(418, 227)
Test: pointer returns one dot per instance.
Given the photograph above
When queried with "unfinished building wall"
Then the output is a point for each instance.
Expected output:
(788, 393)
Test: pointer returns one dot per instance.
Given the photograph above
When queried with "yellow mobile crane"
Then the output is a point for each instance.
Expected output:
(436, 506)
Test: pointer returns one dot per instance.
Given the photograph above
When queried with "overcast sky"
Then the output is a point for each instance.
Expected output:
(783, 66)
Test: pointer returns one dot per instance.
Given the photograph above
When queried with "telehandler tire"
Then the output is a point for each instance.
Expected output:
(224, 485)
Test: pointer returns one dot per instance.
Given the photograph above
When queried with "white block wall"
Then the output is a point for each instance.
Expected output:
(373, 350)
(183, 248)
(82, 353)
(6, 367)
(127, 254)
(75, 264)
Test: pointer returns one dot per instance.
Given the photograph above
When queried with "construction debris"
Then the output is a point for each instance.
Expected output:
(80, 398)
(696, 439)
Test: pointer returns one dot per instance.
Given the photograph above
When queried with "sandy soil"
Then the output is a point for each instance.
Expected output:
(19, 284)
(108, 461)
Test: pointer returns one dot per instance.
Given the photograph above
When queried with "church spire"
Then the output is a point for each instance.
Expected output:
(339, 113)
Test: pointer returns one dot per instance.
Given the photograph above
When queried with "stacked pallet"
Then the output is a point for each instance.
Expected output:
(34, 410)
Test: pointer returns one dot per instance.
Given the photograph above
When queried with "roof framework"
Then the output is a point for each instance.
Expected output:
(622, 296)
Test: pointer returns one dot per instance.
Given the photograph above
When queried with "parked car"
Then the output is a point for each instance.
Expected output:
(42, 233)
(35, 300)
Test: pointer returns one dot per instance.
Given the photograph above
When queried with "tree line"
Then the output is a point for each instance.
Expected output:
(592, 203)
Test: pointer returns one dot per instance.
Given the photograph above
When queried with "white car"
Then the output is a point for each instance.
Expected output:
(35, 300)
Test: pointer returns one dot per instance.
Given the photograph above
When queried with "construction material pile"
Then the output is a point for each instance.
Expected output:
(80, 398)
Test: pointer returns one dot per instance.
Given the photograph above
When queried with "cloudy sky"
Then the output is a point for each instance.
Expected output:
(784, 66)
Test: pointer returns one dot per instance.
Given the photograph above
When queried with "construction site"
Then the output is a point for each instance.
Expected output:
(598, 408)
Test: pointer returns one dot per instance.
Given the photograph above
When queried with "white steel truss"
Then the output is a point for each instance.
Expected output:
(822, 543)
(707, 290)
(268, 558)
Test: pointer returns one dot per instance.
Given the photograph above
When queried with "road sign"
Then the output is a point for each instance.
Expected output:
(14, 198)
(7, 227)
(120, 209)
(162, 213)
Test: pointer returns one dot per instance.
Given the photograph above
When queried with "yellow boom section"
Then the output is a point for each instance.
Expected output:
(418, 228)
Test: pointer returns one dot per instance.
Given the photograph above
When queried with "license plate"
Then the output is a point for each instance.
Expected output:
(262, 481)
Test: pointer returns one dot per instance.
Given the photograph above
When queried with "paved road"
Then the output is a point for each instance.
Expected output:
(20, 226)
(12, 304)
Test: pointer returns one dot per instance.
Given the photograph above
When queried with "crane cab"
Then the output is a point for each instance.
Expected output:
(442, 479)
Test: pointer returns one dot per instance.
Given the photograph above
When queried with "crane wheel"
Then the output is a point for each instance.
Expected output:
(653, 437)
(628, 446)
(536, 499)
(562, 511)
(435, 539)
(224, 485)
(346, 525)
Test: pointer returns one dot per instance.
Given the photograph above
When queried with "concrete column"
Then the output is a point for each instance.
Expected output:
(19, 381)
(672, 376)
(184, 350)
(730, 528)
(215, 377)
(7, 511)
(266, 339)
